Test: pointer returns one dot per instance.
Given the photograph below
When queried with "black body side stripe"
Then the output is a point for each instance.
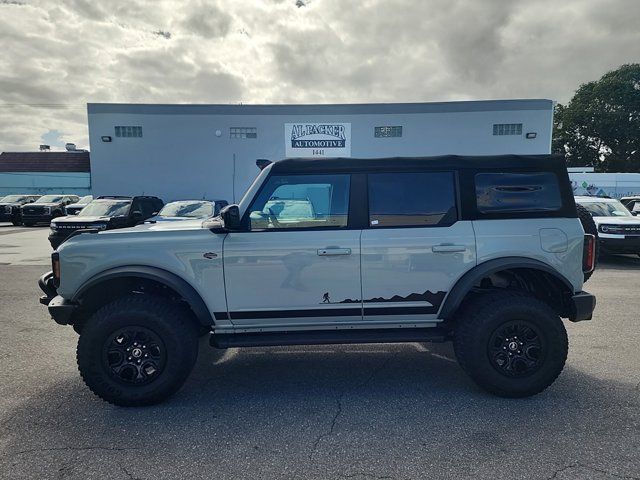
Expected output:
(400, 310)
(316, 312)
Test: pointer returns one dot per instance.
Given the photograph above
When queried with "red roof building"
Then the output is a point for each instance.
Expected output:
(45, 162)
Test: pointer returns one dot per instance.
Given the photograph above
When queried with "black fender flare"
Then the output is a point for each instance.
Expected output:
(171, 280)
(469, 279)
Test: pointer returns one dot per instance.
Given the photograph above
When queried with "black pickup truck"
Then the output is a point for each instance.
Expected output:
(45, 208)
(10, 207)
(105, 213)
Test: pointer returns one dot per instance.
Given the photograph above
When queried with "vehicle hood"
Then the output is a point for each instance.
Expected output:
(5, 204)
(616, 220)
(76, 219)
(161, 218)
(158, 227)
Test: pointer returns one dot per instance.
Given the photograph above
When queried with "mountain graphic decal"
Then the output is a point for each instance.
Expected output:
(434, 299)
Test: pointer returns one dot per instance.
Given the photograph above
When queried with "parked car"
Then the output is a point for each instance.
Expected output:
(188, 210)
(46, 208)
(10, 207)
(618, 229)
(105, 213)
(74, 208)
(497, 250)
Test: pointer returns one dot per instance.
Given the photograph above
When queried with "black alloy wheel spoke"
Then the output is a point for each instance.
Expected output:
(516, 349)
(134, 355)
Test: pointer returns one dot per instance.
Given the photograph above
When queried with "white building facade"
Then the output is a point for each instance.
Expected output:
(210, 151)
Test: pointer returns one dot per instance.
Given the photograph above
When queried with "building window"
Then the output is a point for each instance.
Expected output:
(387, 132)
(243, 132)
(129, 131)
(507, 129)
(504, 192)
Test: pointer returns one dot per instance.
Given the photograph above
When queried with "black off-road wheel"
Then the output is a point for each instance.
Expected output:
(510, 344)
(589, 226)
(137, 350)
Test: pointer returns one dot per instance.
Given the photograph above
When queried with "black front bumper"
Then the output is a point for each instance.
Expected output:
(629, 244)
(8, 217)
(37, 218)
(60, 308)
(582, 306)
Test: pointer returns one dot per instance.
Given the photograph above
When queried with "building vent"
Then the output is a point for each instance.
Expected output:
(507, 129)
(243, 132)
(387, 132)
(129, 131)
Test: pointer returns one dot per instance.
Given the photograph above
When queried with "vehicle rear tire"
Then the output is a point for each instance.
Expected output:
(137, 350)
(510, 344)
(589, 226)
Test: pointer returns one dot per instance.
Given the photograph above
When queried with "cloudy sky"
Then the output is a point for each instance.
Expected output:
(58, 55)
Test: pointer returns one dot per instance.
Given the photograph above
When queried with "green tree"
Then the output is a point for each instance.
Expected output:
(600, 126)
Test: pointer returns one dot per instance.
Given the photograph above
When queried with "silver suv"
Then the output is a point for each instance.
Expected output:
(485, 251)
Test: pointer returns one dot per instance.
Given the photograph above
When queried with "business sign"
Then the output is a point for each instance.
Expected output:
(317, 139)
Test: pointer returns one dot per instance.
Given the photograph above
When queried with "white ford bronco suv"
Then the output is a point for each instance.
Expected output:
(485, 251)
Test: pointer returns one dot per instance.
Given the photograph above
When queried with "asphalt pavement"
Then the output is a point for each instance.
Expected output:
(323, 412)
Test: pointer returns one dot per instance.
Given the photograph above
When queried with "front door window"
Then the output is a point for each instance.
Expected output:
(301, 202)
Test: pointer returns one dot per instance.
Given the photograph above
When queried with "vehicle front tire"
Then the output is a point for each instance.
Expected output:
(511, 344)
(137, 350)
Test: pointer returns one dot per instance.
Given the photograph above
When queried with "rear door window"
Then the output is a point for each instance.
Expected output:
(498, 192)
(425, 199)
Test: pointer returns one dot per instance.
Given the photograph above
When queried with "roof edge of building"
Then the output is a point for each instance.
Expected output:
(320, 109)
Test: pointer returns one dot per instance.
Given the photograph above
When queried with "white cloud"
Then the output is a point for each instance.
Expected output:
(70, 52)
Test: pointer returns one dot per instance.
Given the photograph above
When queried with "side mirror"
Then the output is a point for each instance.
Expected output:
(137, 216)
(231, 217)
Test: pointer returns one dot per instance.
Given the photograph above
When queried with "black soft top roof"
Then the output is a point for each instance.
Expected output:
(395, 164)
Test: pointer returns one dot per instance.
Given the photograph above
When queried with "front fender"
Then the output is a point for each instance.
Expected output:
(171, 280)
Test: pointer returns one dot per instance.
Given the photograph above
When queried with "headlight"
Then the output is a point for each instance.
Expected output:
(7, 209)
(612, 229)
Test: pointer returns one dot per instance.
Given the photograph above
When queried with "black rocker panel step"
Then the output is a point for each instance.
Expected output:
(326, 337)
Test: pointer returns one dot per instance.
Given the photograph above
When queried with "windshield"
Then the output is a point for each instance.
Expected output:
(101, 208)
(187, 209)
(607, 209)
(12, 198)
(49, 199)
(85, 199)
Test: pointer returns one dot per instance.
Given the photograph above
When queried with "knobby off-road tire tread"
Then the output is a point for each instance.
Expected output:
(178, 322)
(475, 320)
(589, 226)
